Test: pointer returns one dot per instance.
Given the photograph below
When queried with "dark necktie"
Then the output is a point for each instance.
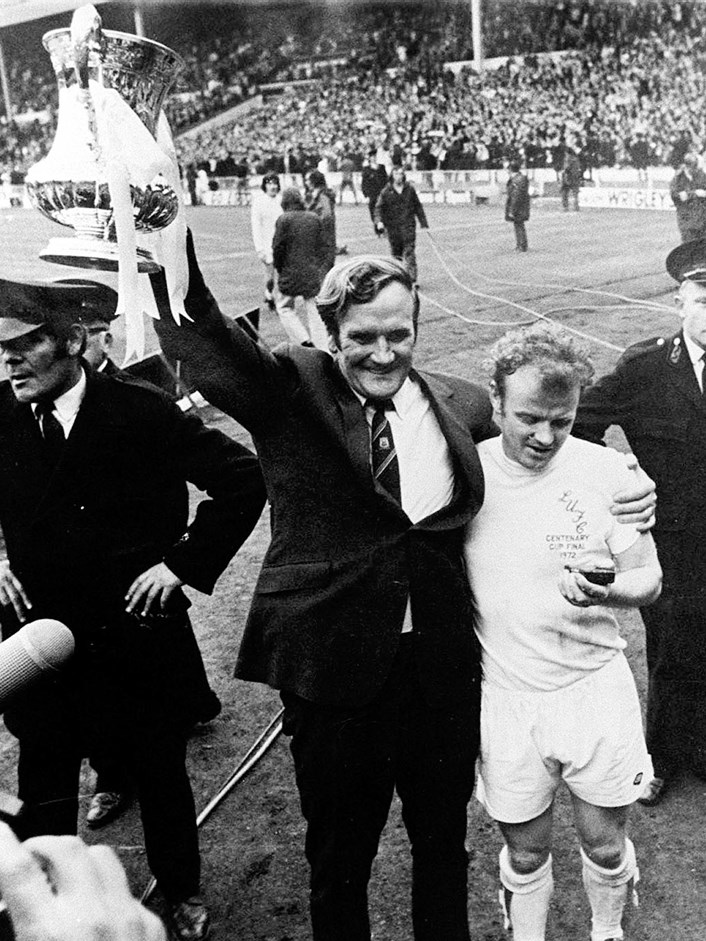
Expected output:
(52, 432)
(386, 469)
(703, 377)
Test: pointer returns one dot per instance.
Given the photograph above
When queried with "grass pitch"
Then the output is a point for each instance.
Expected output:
(600, 273)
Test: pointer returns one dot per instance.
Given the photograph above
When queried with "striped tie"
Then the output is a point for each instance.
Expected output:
(386, 470)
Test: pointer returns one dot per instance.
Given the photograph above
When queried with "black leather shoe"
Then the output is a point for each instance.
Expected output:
(189, 920)
(654, 792)
(104, 807)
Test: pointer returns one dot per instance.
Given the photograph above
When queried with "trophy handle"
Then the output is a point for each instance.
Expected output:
(86, 37)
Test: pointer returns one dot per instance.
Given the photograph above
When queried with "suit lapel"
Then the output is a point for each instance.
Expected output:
(355, 432)
(453, 423)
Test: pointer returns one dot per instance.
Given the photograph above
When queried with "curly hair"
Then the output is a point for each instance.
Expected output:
(359, 281)
(563, 363)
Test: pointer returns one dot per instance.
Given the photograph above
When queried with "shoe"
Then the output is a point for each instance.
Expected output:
(189, 920)
(653, 793)
(104, 807)
(208, 709)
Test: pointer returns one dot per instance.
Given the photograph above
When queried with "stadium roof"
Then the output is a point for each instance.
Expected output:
(19, 11)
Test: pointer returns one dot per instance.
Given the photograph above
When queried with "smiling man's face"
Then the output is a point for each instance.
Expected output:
(535, 420)
(376, 343)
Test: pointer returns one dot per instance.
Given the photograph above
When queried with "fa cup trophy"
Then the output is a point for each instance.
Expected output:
(106, 174)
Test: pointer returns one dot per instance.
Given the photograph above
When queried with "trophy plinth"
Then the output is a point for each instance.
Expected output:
(72, 185)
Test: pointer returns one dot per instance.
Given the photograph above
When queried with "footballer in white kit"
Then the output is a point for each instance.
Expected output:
(559, 700)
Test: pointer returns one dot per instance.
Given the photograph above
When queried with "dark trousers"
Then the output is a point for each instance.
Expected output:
(572, 193)
(48, 780)
(348, 763)
(403, 245)
(675, 628)
(520, 236)
(126, 695)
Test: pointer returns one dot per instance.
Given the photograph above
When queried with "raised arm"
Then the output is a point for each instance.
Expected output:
(232, 371)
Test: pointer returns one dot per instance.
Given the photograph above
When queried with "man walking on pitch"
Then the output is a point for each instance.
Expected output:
(396, 212)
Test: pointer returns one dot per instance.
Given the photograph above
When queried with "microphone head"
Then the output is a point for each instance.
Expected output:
(38, 649)
(48, 642)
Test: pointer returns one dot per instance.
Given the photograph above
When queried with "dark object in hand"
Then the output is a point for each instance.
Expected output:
(599, 576)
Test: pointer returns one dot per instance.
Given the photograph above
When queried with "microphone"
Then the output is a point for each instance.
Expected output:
(40, 647)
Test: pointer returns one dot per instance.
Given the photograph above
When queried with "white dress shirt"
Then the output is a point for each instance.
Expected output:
(696, 355)
(66, 406)
(426, 469)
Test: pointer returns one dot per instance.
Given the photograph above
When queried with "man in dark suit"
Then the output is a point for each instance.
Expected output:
(517, 204)
(397, 210)
(655, 394)
(94, 511)
(362, 614)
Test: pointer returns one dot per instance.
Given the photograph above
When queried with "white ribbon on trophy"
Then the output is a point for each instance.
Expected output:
(130, 154)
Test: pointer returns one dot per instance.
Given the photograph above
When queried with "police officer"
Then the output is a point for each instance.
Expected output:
(655, 393)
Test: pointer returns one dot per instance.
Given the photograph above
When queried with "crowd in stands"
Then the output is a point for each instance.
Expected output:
(626, 90)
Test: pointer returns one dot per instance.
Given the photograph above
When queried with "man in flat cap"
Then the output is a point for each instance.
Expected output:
(656, 395)
(94, 510)
(112, 788)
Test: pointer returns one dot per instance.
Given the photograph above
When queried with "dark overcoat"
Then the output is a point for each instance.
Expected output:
(78, 534)
(517, 203)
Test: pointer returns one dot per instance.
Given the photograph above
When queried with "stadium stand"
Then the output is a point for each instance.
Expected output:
(612, 79)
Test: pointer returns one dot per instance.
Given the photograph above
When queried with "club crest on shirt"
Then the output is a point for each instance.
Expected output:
(384, 444)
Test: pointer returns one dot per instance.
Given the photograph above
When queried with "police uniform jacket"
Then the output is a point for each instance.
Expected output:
(654, 396)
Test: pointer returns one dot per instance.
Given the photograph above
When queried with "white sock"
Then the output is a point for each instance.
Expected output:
(524, 899)
(608, 891)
